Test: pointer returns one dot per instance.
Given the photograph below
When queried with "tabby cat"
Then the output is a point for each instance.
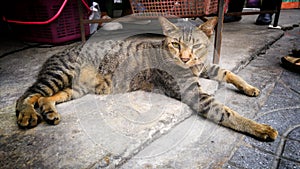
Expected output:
(170, 63)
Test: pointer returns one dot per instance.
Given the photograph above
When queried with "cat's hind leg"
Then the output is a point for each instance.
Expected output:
(28, 117)
(47, 105)
(25, 111)
(89, 81)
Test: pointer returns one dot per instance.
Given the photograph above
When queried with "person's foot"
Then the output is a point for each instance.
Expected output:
(264, 19)
(296, 53)
(231, 18)
(291, 63)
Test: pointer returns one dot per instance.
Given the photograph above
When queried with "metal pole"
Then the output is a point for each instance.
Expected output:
(218, 35)
(82, 30)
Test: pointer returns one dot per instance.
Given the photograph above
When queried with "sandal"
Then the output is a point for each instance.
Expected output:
(296, 53)
(291, 63)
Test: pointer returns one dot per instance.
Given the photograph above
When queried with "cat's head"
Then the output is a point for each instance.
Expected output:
(188, 46)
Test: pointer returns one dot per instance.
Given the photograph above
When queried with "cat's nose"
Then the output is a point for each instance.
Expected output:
(184, 60)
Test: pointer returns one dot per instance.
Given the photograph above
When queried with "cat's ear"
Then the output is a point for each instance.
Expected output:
(208, 26)
(167, 26)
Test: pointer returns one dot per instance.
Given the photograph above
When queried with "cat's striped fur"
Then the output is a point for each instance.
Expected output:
(169, 63)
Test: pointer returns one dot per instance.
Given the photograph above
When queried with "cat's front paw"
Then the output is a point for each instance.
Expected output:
(28, 117)
(266, 132)
(252, 91)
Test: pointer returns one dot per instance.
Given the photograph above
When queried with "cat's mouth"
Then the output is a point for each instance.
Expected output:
(185, 60)
(188, 62)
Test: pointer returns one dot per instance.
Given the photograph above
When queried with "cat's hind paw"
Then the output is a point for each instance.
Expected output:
(51, 117)
(28, 117)
(49, 112)
(266, 132)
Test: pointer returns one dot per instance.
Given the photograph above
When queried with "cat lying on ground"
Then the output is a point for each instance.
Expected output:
(171, 63)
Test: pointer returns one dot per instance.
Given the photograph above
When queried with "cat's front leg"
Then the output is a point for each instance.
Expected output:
(206, 106)
(232, 119)
(241, 84)
(222, 75)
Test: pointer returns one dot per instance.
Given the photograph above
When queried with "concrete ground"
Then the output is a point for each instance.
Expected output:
(149, 130)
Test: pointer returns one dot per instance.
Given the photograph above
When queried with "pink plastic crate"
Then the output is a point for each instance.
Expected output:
(65, 28)
(169, 8)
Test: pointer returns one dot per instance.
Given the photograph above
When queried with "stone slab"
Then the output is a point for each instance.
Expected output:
(95, 131)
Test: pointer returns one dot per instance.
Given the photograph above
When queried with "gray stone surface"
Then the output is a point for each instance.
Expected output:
(284, 164)
(291, 150)
(97, 127)
(148, 130)
(295, 134)
(281, 110)
(18, 70)
(246, 157)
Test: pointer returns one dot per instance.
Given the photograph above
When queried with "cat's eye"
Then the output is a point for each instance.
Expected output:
(197, 46)
(176, 45)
